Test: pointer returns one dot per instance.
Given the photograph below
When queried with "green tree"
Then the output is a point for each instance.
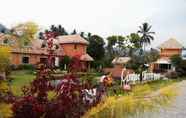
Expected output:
(117, 46)
(146, 34)
(96, 47)
(4, 60)
(58, 30)
(176, 60)
(112, 40)
(134, 39)
(179, 64)
(64, 63)
(145, 39)
(152, 55)
(25, 32)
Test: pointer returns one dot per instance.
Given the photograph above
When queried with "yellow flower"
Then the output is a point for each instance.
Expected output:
(5, 110)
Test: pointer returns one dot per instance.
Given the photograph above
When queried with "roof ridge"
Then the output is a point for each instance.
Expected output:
(171, 43)
(72, 39)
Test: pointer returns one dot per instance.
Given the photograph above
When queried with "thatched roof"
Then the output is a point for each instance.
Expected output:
(171, 44)
(72, 39)
(121, 60)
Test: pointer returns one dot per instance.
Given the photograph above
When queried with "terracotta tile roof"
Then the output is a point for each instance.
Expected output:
(86, 57)
(171, 44)
(35, 48)
(36, 44)
(72, 39)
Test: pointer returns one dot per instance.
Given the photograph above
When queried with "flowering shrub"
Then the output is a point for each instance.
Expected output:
(5, 107)
(68, 102)
(5, 110)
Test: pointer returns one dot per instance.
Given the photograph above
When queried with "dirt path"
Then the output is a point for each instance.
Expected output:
(176, 110)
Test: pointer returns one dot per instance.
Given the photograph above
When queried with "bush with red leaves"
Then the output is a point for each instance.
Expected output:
(68, 103)
(28, 107)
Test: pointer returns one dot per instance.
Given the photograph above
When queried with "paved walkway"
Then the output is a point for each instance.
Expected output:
(177, 109)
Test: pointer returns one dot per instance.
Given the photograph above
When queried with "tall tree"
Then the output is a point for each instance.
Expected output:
(140, 58)
(117, 46)
(96, 47)
(134, 39)
(58, 30)
(146, 34)
(112, 40)
(25, 32)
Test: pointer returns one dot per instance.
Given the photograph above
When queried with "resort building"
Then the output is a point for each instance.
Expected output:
(167, 50)
(33, 53)
(119, 63)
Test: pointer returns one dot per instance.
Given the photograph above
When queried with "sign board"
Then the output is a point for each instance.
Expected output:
(184, 54)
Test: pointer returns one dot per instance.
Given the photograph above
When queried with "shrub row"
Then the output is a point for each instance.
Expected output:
(22, 67)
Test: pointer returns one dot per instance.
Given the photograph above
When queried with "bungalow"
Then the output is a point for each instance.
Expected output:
(119, 63)
(167, 50)
(33, 53)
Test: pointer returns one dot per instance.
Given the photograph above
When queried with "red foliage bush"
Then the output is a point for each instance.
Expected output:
(68, 103)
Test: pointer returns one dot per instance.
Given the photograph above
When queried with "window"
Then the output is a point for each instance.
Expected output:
(25, 60)
(75, 46)
(26, 44)
(43, 60)
(6, 41)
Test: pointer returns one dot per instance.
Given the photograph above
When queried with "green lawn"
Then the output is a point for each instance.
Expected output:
(152, 85)
(24, 77)
(20, 78)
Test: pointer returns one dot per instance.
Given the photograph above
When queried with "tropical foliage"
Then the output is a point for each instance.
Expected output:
(179, 64)
(146, 34)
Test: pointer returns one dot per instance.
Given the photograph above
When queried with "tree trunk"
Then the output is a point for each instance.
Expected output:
(141, 76)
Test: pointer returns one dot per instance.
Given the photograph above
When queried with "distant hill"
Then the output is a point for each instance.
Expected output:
(3, 29)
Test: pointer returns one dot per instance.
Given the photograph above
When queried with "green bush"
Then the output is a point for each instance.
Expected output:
(179, 64)
(172, 75)
(65, 61)
(25, 67)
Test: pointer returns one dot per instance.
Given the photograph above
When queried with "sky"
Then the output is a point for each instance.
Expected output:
(102, 17)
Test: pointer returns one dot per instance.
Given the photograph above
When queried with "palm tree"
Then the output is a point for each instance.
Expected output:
(146, 34)
(146, 38)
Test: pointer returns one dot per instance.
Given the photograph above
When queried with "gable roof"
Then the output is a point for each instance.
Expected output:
(72, 39)
(121, 60)
(171, 44)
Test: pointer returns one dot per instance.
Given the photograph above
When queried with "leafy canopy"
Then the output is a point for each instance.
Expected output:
(4, 58)
(25, 32)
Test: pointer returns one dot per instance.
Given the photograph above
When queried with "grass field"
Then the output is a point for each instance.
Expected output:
(143, 97)
(20, 78)
(24, 77)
